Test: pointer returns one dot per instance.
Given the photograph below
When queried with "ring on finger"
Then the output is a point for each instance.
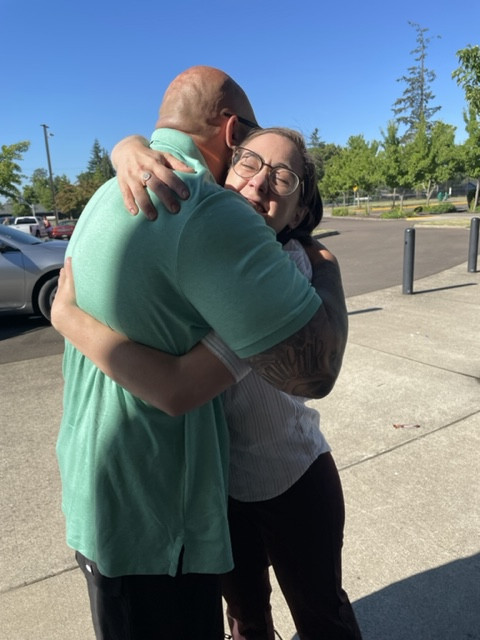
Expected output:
(146, 177)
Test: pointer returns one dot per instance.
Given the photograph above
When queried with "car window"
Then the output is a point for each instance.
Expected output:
(19, 237)
(26, 220)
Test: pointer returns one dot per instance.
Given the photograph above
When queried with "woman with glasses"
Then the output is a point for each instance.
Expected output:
(286, 504)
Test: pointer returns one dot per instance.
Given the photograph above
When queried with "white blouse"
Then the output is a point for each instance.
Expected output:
(274, 436)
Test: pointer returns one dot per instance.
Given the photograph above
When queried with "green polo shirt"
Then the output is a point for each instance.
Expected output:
(138, 485)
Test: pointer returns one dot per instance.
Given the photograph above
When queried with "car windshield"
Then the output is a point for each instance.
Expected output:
(18, 236)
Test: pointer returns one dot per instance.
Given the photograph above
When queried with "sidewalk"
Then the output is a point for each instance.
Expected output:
(412, 544)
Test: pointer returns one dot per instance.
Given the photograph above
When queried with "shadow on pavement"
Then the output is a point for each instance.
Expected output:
(426, 606)
(11, 326)
(453, 286)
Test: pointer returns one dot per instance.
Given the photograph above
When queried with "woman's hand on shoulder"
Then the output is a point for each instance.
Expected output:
(138, 166)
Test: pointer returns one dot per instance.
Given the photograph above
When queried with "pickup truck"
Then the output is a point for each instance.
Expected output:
(30, 224)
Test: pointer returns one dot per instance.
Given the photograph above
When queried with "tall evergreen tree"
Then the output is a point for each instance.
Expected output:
(413, 107)
(99, 164)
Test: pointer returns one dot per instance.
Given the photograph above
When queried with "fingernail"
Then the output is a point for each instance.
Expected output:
(174, 207)
(185, 194)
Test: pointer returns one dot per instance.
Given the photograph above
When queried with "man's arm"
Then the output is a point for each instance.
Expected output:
(308, 362)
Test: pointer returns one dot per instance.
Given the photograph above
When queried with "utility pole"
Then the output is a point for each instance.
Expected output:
(52, 187)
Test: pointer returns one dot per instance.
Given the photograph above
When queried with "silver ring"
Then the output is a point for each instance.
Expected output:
(146, 177)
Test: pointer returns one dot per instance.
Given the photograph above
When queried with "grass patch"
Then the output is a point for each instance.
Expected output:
(342, 212)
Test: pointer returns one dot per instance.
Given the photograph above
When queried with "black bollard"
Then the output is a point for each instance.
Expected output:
(408, 260)
(473, 245)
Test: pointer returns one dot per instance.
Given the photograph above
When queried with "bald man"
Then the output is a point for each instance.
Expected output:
(144, 494)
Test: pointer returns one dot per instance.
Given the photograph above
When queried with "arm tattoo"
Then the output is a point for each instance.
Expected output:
(308, 362)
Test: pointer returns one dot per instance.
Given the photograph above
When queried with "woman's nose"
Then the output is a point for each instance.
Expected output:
(260, 180)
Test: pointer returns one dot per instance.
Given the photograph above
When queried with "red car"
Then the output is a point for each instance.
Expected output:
(63, 230)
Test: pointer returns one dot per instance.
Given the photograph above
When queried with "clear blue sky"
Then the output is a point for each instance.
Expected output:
(98, 69)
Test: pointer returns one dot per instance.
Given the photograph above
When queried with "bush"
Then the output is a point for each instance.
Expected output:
(396, 212)
(342, 211)
(444, 207)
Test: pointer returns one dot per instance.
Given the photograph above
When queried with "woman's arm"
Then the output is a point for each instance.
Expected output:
(132, 159)
(314, 354)
(174, 384)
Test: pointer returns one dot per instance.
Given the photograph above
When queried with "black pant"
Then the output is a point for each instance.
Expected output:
(184, 607)
(301, 534)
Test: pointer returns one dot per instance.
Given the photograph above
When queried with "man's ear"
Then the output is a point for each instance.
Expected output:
(233, 133)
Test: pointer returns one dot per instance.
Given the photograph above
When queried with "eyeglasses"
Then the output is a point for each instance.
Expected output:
(247, 164)
(247, 123)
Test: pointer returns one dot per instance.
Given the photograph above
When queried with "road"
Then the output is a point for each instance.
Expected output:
(370, 252)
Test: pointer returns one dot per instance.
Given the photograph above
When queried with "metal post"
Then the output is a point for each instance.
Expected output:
(408, 260)
(473, 245)
(50, 173)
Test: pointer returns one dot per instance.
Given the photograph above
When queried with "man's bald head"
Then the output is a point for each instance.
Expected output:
(198, 98)
(208, 105)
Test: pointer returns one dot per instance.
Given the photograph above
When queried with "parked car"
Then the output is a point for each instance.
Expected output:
(32, 225)
(29, 269)
(63, 230)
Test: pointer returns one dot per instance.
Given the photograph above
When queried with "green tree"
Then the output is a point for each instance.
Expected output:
(354, 168)
(471, 152)
(362, 165)
(393, 163)
(413, 107)
(335, 181)
(321, 152)
(42, 191)
(71, 198)
(10, 170)
(433, 157)
(467, 76)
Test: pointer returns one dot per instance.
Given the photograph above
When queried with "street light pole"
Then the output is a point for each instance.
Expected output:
(45, 127)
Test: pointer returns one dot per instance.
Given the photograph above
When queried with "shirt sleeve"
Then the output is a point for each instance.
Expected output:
(238, 368)
(297, 253)
(232, 269)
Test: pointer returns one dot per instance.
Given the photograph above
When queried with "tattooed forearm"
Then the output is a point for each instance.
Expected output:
(308, 363)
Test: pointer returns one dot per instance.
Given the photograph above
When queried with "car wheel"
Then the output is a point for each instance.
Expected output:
(46, 296)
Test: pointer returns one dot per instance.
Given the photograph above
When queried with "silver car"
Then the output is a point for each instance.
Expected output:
(29, 270)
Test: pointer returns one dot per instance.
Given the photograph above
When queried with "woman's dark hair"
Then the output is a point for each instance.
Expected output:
(310, 195)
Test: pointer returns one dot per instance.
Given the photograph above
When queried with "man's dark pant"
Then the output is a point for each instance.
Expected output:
(154, 607)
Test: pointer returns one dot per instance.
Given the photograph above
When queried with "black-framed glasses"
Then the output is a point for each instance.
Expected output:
(247, 123)
(247, 163)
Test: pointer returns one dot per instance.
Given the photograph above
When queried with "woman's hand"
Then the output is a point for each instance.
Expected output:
(138, 166)
(65, 299)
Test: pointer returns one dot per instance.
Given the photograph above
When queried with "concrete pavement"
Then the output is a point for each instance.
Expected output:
(412, 544)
